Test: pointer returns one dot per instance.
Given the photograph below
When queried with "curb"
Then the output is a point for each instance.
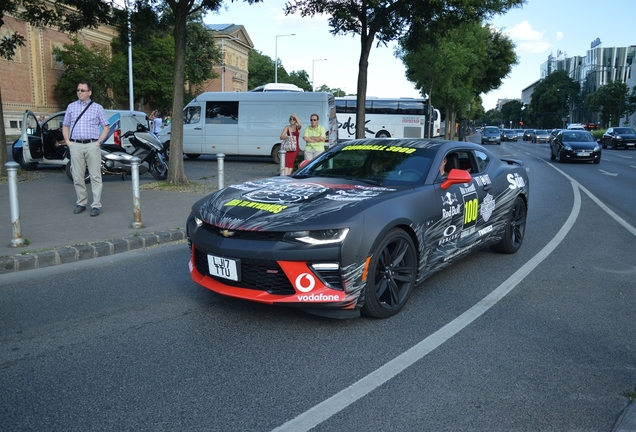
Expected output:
(34, 260)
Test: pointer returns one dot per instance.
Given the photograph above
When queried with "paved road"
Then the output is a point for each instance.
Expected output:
(129, 342)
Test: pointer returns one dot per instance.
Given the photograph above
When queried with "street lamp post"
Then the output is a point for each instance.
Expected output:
(276, 55)
(313, 83)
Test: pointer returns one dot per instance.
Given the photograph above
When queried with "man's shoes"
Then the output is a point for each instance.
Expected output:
(79, 209)
(94, 211)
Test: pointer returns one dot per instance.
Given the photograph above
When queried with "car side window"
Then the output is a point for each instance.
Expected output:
(482, 160)
(221, 112)
(192, 115)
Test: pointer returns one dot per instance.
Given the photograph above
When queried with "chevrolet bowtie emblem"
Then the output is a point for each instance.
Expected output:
(226, 233)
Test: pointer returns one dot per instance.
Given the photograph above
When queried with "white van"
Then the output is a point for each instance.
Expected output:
(250, 123)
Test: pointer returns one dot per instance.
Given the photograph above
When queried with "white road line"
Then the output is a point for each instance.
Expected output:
(598, 202)
(336, 403)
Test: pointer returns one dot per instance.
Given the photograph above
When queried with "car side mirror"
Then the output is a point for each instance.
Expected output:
(456, 176)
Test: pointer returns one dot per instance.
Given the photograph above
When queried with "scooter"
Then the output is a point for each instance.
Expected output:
(117, 161)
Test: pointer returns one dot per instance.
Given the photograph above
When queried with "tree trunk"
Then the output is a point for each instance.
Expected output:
(176, 171)
(3, 141)
(366, 42)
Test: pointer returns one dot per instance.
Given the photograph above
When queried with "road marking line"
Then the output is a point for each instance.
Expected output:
(336, 403)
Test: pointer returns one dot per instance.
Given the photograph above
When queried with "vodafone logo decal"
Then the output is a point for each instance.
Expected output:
(305, 282)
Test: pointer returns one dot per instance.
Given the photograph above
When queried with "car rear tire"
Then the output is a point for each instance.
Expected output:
(391, 275)
(559, 159)
(515, 229)
(192, 155)
(27, 166)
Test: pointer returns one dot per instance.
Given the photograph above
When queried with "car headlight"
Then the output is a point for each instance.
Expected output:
(597, 148)
(567, 147)
(318, 237)
(198, 221)
(618, 137)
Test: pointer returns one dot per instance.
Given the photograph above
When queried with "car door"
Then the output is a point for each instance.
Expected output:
(462, 217)
(31, 137)
(193, 123)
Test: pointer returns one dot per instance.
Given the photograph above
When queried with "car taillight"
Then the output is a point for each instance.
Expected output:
(117, 137)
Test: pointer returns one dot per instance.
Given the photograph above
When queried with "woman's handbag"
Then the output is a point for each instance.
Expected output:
(289, 143)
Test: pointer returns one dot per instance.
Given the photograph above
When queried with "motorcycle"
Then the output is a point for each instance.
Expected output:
(116, 160)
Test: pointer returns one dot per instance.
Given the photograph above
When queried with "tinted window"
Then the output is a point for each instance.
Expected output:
(623, 131)
(413, 108)
(221, 112)
(384, 107)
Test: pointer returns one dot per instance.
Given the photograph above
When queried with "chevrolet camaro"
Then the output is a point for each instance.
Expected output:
(359, 227)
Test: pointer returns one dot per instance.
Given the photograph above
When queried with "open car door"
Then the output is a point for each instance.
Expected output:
(32, 143)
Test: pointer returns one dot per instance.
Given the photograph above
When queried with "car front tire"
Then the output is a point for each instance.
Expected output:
(391, 275)
(515, 229)
(27, 166)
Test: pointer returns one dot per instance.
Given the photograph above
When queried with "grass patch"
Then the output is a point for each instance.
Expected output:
(191, 187)
(23, 176)
(631, 395)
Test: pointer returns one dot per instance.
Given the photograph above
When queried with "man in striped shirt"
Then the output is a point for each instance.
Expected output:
(82, 135)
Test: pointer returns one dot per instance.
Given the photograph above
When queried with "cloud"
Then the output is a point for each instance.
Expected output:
(529, 40)
(559, 35)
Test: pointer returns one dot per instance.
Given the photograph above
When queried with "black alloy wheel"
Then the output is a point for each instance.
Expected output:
(515, 229)
(391, 275)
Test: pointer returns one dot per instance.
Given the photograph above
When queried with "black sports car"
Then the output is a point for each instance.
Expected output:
(616, 137)
(358, 227)
(575, 145)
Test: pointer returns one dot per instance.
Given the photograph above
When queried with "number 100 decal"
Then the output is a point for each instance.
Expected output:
(471, 210)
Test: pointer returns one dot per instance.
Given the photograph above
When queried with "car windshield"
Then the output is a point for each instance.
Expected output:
(577, 137)
(491, 130)
(373, 164)
(542, 132)
(623, 130)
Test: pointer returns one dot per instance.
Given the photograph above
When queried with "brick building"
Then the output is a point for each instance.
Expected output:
(29, 78)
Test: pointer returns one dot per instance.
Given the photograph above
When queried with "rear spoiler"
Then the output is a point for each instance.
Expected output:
(512, 161)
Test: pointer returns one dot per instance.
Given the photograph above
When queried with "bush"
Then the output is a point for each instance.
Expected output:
(598, 134)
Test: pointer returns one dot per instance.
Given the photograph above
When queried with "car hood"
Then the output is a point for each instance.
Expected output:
(284, 203)
(581, 145)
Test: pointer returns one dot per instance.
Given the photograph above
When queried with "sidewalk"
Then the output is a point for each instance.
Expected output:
(56, 236)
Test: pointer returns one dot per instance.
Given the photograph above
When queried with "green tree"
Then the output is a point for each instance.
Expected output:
(612, 101)
(83, 63)
(511, 113)
(260, 69)
(455, 65)
(68, 16)
(301, 79)
(334, 91)
(551, 98)
(384, 21)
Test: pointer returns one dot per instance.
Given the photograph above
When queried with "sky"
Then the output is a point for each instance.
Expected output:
(539, 28)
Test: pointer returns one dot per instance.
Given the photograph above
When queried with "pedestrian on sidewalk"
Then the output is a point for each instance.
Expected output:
(81, 131)
(315, 136)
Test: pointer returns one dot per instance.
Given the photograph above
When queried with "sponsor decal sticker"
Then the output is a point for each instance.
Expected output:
(318, 297)
(272, 208)
(449, 198)
(396, 149)
(305, 282)
(485, 231)
(487, 207)
(516, 181)
(483, 180)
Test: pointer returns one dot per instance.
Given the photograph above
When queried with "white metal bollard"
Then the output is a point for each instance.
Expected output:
(134, 165)
(14, 204)
(281, 155)
(220, 160)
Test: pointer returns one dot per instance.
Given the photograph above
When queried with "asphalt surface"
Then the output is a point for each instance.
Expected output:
(53, 235)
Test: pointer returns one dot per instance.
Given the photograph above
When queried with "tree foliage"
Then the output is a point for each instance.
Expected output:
(379, 22)
(551, 99)
(454, 66)
(613, 101)
(261, 72)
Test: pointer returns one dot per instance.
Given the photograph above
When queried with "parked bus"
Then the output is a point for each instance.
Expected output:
(250, 123)
(388, 118)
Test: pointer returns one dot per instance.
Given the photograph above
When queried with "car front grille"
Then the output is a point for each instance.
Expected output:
(260, 275)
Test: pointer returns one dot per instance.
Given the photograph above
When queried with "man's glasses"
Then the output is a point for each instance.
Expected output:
(314, 119)
(82, 91)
